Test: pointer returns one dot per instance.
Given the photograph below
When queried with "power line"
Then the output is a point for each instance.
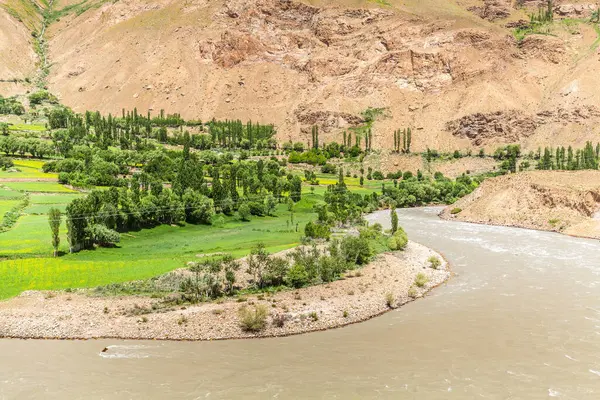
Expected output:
(220, 204)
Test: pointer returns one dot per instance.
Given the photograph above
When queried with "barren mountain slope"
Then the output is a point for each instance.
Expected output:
(567, 202)
(439, 66)
(17, 58)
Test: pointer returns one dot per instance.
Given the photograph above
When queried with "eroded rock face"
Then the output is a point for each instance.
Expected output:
(327, 120)
(493, 10)
(510, 125)
(513, 125)
(543, 47)
(575, 10)
(366, 45)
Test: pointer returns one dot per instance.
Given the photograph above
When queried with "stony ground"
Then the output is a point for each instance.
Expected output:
(360, 296)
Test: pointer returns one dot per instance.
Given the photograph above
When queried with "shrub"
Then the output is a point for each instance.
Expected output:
(253, 319)
(317, 231)
(244, 212)
(434, 262)
(41, 96)
(421, 279)
(297, 276)
(455, 210)
(378, 176)
(398, 240)
(102, 235)
(328, 169)
(389, 300)
(313, 315)
(356, 250)
(256, 208)
(412, 292)
(6, 163)
(345, 314)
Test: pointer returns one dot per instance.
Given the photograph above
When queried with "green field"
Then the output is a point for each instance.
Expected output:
(25, 251)
(27, 127)
(28, 169)
(6, 193)
(142, 254)
(40, 187)
(7, 205)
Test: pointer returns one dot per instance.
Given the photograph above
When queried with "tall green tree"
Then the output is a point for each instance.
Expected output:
(54, 219)
(394, 217)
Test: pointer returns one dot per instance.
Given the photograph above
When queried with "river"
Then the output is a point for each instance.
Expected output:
(519, 320)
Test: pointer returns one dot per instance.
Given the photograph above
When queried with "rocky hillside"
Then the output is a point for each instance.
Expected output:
(566, 202)
(453, 70)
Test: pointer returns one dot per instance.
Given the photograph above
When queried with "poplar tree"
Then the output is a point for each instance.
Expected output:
(54, 219)
(394, 217)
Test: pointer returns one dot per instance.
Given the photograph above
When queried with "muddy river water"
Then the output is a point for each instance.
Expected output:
(519, 320)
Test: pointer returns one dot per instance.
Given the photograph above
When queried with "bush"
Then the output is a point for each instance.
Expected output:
(356, 250)
(389, 300)
(256, 208)
(297, 276)
(41, 96)
(421, 279)
(434, 262)
(253, 319)
(398, 240)
(378, 176)
(6, 163)
(244, 212)
(412, 292)
(317, 231)
(455, 210)
(328, 169)
(102, 235)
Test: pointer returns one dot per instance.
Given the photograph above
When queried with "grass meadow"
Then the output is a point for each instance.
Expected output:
(26, 261)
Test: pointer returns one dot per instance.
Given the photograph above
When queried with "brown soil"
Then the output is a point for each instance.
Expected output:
(566, 202)
(362, 296)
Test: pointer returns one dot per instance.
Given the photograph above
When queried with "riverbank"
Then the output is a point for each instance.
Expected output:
(387, 282)
(566, 202)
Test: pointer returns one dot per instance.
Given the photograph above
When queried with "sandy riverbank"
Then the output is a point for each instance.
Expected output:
(358, 297)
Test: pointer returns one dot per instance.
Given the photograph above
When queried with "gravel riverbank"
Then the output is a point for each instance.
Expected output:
(363, 294)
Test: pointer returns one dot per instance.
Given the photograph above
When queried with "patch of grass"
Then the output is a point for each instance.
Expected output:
(7, 194)
(61, 198)
(381, 2)
(40, 187)
(390, 300)
(455, 210)
(421, 280)
(434, 262)
(253, 319)
(412, 292)
(27, 127)
(554, 222)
